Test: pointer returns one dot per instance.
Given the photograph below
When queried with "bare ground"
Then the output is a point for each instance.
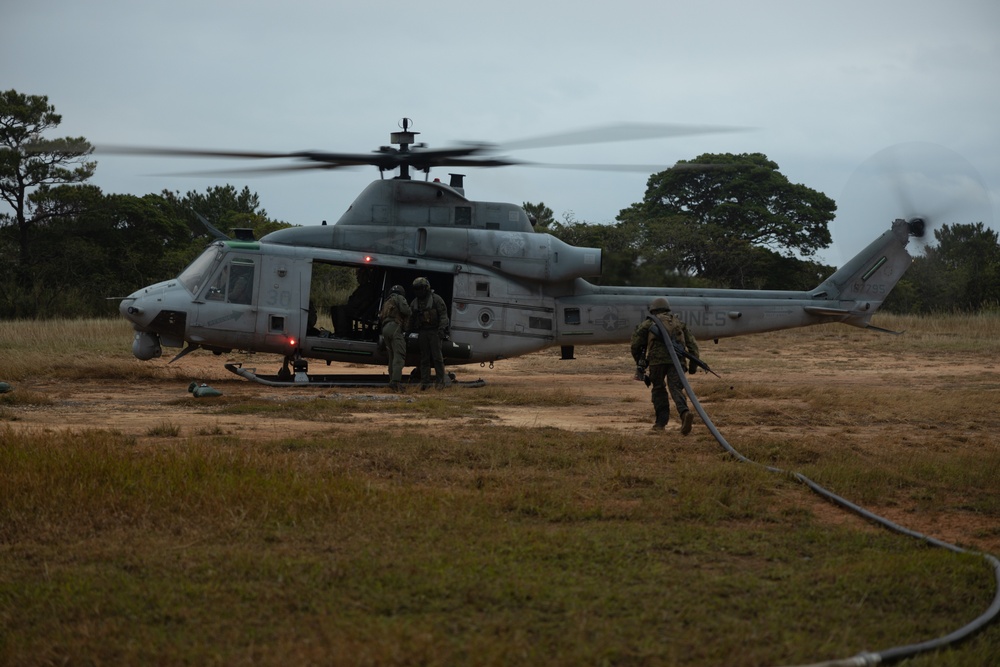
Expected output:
(601, 396)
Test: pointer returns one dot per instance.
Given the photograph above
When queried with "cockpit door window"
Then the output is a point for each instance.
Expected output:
(234, 283)
(241, 282)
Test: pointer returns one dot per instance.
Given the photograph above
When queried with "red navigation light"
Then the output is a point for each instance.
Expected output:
(291, 341)
(368, 258)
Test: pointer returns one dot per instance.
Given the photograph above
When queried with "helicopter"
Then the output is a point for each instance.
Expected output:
(509, 289)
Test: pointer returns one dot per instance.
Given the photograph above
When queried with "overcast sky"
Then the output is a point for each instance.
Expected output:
(839, 94)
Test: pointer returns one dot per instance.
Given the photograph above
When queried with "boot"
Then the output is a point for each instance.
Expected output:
(661, 421)
(686, 420)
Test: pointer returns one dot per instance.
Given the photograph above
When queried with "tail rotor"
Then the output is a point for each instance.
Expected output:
(926, 184)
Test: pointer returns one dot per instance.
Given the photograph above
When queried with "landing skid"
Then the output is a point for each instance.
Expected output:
(345, 380)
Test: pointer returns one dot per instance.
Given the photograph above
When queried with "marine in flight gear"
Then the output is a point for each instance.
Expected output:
(392, 319)
(429, 318)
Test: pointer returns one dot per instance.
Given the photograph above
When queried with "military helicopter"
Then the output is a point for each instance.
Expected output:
(509, 290)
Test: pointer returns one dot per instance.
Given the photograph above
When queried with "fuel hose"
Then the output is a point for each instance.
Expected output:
(884, 656)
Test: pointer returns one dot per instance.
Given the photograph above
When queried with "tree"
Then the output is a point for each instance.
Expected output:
(970, 253)
(224, 208)
(961, 272)
(28, 161)
(618, 254)
(94, 246)
(719, 216)
(541, 215)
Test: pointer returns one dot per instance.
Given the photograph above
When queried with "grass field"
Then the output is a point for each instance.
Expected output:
(399, 541)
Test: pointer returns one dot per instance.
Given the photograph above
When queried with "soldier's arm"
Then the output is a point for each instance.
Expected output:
(639, 338)
(412, 324)
(443, 321)
(691, 343)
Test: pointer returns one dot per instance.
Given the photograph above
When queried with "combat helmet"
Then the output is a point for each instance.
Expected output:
(398, 289)
(421, 285)
(659, 304)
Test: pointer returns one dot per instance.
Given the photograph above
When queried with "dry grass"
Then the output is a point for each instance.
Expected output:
(478, 543)
(69, 349)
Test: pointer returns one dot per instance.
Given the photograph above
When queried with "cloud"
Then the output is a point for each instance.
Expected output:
(827, 86)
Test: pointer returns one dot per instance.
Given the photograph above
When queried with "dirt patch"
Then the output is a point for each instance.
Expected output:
(601, 398)
(593, 393)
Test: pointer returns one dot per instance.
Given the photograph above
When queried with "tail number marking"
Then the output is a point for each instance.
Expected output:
(873, 288)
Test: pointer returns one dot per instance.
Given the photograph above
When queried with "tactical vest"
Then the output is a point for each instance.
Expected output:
(390, 312)
(427, 314)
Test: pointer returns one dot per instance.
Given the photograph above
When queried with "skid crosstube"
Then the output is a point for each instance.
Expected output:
(342, 380)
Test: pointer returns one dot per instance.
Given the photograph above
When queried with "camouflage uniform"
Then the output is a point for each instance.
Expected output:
(392, 318)
(429, 318)
(646, 341)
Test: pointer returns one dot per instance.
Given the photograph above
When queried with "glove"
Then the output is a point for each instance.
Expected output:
(444, 334)
(692, 367)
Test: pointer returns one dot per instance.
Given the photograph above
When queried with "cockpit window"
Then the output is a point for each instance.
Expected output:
(233, 283)
(197, 272)
(217, 289)
(241, 281)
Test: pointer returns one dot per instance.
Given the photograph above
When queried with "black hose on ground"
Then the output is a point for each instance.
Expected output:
(888, 655)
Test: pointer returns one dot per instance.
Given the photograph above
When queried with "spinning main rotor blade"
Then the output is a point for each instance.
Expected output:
(263, 171)
(298, 168)
(347, 158)
(421, 158)
(321, 166)
(638, 168)
(617, 132)
(385, 159)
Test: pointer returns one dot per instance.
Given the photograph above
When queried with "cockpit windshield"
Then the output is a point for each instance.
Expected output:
(194, 276)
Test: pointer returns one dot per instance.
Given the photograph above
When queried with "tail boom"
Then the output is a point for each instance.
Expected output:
(852, 295)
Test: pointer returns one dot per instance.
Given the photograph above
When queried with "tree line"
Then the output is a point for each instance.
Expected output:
(734, 221)
(67, 249)
(720, 220)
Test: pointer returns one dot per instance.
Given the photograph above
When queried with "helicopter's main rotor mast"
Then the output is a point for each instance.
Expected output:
(404, 140)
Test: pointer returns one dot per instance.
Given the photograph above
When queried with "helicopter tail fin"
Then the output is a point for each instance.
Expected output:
(863, 283)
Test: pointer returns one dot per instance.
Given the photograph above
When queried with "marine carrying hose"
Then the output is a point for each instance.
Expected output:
(888, 655)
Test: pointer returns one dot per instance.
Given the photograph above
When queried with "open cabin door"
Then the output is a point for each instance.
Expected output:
(344, 304)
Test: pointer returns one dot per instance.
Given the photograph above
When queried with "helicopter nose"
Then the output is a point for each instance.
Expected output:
(133, 310)
(141, 306)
